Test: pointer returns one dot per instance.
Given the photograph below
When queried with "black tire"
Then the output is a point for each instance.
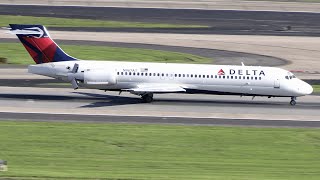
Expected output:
(293, 102)
(147, 98)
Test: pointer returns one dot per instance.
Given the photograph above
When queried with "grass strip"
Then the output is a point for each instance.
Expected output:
(68, 22)
(16, 54)
(122, 151)
(316, 88)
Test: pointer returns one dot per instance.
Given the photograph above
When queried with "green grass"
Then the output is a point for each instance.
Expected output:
(316, 88)
(16, 54)
(122, 151)
(66, 22)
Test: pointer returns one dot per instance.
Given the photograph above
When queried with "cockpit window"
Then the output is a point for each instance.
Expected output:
(290, 76)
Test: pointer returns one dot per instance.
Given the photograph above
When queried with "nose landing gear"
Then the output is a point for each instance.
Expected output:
(293, 101)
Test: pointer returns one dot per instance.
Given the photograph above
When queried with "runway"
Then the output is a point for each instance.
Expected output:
(34, 103)
(219, 21)
(38, 117)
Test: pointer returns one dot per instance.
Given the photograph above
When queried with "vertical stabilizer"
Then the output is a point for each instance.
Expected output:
(37, 41)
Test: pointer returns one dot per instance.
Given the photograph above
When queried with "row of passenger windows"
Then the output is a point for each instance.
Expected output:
(188, 75)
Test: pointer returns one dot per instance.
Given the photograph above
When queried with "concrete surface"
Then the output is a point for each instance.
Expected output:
(182, 4)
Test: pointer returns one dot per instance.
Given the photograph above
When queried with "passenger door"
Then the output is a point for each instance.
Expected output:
(276, 83)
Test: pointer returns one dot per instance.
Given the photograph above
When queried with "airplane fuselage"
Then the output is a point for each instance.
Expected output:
(194, 78)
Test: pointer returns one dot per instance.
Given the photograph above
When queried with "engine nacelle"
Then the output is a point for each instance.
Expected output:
(99, 77)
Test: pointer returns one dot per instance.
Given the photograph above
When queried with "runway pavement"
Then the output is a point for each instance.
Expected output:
(100, 106)
(253, 5)
(219, 21)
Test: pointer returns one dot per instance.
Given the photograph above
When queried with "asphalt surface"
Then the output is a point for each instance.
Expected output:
(156, 120)
(219, 21)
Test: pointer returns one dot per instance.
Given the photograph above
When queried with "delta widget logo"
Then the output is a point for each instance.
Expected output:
(221, 72)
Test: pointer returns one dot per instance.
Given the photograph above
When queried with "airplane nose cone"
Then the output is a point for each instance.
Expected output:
(309, 89)
(306, 89)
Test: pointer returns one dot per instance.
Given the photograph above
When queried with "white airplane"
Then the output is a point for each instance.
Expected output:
(145, 79)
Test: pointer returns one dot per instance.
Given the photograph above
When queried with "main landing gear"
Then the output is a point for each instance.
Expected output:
(147, 98)
(293, 101)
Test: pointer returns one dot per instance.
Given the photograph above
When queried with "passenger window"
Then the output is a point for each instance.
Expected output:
(179, 75)
(162, 74)
(146, 74)
(195, 75)
(183, 75)
(224, 77)
(158, 74)
(134, 74)
(150, 74)
(256, 78)
(248, 77)
(130, 73)
(215, 76)
(219, 77)
(235, 77)
(259, 78)
(126, 73)
(121, 73)
(231, 77)
(227, 77)
(175, 75)
(191, 75)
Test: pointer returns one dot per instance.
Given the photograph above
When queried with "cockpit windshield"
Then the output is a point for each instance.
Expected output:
(290, 76)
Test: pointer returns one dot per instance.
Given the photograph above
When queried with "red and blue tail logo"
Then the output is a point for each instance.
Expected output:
(38, 43)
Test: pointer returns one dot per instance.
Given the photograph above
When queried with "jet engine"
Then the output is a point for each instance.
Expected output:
(95, 78)
(99, 77)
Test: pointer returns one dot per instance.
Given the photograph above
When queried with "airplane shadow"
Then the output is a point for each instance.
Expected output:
(94, 100)
(101, 100)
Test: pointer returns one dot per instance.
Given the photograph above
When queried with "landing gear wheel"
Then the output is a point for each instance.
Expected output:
(293, 101)
(147, 98)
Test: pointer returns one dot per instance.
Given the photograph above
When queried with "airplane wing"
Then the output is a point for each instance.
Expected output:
(157, 88)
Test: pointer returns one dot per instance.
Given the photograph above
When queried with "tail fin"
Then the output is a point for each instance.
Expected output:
(38, 43)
